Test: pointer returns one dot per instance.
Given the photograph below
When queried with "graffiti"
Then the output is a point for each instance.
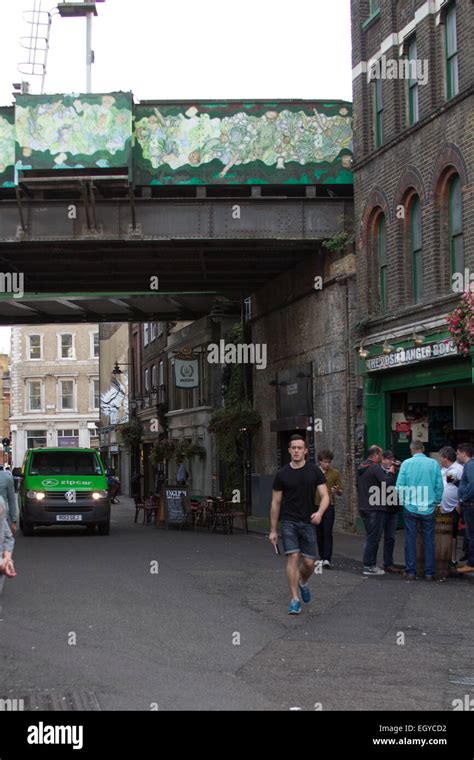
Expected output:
(7, 146)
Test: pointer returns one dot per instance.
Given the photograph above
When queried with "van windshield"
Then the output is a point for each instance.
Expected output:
(64, 463)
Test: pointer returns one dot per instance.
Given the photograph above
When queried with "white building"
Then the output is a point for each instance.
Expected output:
(54, 387)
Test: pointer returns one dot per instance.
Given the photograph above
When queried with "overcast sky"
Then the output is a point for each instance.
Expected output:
(205, 49)
(191, 49)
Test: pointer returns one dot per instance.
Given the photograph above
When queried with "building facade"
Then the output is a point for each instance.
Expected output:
(54, 387)
(114, 398)
(413, 87)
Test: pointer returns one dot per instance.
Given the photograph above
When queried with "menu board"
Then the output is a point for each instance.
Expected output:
(173, 510)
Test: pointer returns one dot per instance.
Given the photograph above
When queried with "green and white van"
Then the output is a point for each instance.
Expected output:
(63, 486)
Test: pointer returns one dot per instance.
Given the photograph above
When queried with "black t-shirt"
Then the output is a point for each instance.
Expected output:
(298, 486)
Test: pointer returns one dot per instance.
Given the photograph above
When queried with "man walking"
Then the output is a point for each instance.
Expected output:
(293, 503)
(466, 499)
(420, 489)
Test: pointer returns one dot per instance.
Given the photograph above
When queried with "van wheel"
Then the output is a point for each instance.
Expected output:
(91, 529)
(27, 528)
(104, 528)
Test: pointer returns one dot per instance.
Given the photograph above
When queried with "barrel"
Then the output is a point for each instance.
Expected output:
(443, 545)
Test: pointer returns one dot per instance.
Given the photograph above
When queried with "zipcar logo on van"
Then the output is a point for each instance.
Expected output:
(50, 482)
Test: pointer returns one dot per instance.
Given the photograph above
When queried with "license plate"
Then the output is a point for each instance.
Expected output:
(68, 518)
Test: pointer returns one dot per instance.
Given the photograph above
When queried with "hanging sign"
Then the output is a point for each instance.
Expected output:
(186, 373)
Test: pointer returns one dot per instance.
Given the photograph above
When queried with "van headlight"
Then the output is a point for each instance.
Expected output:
(100, 495)
(39, 495)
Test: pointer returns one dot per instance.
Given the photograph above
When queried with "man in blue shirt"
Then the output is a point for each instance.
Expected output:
(466, 499)
(420, 489)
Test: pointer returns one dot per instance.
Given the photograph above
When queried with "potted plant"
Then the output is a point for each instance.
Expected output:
(461, 323)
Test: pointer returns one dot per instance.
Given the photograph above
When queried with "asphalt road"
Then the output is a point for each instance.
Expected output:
(89, 622)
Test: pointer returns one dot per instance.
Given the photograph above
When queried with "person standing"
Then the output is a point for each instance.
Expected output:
(451, 473)
(420, 490)
(372, 485)
(325, 528)
(466, 500)
(8, 526)
(293, 504)
(391, 466)
(182, 474)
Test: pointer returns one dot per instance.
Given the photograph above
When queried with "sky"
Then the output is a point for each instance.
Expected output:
(215, 49)
(206, 49)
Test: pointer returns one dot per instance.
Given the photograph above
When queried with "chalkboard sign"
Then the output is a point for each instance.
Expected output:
(174, 511)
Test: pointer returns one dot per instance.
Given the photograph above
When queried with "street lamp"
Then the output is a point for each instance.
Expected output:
(79, 10)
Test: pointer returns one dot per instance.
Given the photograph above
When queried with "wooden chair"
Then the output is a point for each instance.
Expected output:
(221, 516)
(151, 507)
(239, 514)
(138, 506)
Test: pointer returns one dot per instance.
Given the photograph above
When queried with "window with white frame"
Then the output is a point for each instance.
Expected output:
(161, 377)
(153, 376)
(95, 393)
(160, 328)
(146, 333)
(66, 346)
(34, 395)
(66, 393)
(35, 439)
(95, 345)
(34, 346)
(68, 437)
(153, 331)
(147, 380)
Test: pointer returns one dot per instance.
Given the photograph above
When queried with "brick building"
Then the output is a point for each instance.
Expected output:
(413, 106)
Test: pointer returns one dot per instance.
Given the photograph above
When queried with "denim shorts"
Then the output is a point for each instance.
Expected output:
(299, 537)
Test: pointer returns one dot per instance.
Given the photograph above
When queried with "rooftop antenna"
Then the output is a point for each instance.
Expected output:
(81, 10)
(36, 42)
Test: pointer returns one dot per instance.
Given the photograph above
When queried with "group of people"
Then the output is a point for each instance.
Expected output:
(8, 525)
(303, 500)
(418, 487)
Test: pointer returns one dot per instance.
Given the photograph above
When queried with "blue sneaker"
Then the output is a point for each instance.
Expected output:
(305, 593)
(295, 607)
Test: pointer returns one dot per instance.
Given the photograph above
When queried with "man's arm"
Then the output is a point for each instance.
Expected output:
(274, 515)
(439, 485)
(323, 491)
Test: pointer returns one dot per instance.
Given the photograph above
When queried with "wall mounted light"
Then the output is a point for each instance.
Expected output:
(363, 353)
(387, 348)
(418, 340)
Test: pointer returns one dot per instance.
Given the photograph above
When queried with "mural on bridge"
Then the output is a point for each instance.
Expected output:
(7, 146)
(73, 131)
(284, 142)
(242, 143)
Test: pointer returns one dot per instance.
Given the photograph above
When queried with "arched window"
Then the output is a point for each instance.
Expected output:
(416, 240)
(381, 246)
(456, 241)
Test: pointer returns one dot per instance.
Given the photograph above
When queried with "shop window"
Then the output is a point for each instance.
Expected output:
(35, 439)
(456, 226)
(416, 250)
(451, 53)
(68, 437)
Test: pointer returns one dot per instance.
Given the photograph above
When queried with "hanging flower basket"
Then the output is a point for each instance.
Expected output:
(162, 450)
(131, 434)
(461, 323)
